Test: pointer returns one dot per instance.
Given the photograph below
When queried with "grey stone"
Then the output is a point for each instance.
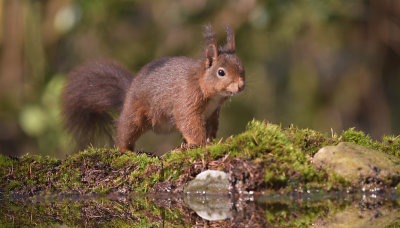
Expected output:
(355, 163)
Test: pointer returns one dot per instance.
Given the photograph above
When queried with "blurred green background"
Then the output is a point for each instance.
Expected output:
(321, 64)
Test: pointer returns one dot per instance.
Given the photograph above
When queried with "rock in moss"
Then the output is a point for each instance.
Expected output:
(358, 163)
(211, 182)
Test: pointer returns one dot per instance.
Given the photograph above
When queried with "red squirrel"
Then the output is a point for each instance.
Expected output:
(167, 93)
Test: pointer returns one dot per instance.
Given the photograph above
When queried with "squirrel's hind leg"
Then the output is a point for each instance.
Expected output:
(131, 125)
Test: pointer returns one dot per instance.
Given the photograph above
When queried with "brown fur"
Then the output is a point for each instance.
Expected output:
(167, 93)
(92, 93)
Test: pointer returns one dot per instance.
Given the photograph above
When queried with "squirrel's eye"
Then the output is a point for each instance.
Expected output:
(221, 72)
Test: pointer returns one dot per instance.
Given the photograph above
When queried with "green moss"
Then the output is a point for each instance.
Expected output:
(285, 160)
(122, 161)
(13, 185)
(29, 172)
(284, 153)
(358, 137)
(6, 165)
(309, 141)
(398, 188)
(171, 174)
(218, 150)
(391, 145)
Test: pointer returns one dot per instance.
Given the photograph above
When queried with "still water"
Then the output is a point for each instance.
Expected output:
(290, 210)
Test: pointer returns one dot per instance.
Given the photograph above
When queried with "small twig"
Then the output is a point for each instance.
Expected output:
(202, 160)
(125, 179)
(255, 140)
(226, 156)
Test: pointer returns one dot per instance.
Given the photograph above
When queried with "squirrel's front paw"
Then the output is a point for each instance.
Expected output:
(186, 146)
(124, 149)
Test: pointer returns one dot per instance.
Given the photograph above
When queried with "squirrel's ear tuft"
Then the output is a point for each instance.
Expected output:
(209, 35)
(230, 40)
(211, 51)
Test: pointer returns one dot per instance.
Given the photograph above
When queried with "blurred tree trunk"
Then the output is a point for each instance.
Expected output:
(11, 65)
(11, 76)
(383, 45)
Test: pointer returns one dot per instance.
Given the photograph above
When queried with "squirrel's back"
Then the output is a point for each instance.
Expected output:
(163, 78)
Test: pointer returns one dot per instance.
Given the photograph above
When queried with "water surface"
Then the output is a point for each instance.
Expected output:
(163, 210)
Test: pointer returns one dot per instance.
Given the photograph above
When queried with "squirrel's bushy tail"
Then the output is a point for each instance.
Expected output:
(93, 96)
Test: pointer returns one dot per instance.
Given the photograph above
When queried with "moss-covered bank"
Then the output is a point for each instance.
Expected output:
(266, 157)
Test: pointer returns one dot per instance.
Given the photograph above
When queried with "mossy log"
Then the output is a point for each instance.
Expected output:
(264, 158)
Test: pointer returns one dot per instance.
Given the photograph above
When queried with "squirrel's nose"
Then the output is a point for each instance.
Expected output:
(233, 88)
(241, 85)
